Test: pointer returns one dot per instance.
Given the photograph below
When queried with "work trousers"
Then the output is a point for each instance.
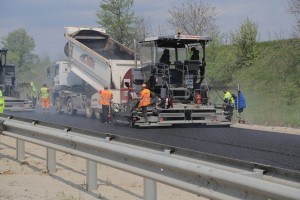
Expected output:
(105, 110)
(144, 111)
(45, 103)
(34, 101)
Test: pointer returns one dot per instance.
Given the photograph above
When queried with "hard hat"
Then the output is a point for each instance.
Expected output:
(144, 85)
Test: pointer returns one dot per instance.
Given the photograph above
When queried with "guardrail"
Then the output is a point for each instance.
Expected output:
(202, 174)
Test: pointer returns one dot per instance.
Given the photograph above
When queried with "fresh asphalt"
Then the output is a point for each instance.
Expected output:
(267, 148)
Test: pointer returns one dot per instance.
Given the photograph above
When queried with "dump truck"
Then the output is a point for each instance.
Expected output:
(11, 90)
(96, 60)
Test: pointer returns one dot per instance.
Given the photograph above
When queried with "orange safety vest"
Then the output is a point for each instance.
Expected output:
(144, 98)
(106, 96)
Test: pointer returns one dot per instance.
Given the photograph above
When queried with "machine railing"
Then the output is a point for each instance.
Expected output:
(207, 175)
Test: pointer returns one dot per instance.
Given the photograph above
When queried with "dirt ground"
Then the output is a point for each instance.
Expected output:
(28, 179)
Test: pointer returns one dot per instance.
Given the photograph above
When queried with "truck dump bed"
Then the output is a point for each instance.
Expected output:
(96, 58)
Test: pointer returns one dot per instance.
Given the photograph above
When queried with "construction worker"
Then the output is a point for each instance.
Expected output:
(2, 102)
(229, 103)
(165, 57)
(194, 54)
(106, 97)
(204, 95)
(33, 94)
(45, 98)
(228, 99)
(145, 101)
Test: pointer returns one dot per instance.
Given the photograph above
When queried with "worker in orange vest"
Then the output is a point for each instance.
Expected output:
(144, 101)
(106, 97)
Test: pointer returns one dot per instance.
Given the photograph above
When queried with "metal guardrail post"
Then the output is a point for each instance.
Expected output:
(51, 160)
(150, 192)
(91, 175)
(20, 149)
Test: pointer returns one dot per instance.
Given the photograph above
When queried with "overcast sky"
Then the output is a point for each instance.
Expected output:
(44, 20)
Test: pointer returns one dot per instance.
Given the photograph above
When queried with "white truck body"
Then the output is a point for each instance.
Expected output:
(95, 60)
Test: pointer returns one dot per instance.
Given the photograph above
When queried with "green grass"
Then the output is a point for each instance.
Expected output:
(271, 84)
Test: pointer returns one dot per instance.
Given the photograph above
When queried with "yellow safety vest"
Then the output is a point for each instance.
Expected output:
(33, 90)
(228, 96)
(145, 99)
(2, 102)
(44, 92)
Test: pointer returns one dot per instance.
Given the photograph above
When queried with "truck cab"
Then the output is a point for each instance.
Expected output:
(179, 75)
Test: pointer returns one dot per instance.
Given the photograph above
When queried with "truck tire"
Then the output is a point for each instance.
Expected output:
(89, 112)
(70, 109)
(98, 115)
(57, 105)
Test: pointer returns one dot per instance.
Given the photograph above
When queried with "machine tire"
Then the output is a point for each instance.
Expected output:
(70, 109)
(57, 105)
(89, 112)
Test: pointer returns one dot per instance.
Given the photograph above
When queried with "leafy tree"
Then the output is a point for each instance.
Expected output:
(143, 27)
(220, 61)
(20, 47)
(38, 71)
(294, 8)
(245, 41)
(119, 21)
(193, 18)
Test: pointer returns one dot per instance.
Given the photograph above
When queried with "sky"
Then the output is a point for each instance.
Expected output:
(44, 20)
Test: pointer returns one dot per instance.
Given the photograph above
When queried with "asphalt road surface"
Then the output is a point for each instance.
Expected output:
(268, 148)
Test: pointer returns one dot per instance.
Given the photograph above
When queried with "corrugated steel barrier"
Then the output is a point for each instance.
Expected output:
(205, 175)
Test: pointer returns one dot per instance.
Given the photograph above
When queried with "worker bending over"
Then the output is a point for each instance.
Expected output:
(228, 102)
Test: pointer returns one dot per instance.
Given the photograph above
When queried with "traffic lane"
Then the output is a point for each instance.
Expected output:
(268, 148)
(275, 149)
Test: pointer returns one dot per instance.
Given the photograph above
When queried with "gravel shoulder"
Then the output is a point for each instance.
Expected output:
(24, 180)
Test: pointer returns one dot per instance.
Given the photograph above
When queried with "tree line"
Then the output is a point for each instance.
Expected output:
(124, 25)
